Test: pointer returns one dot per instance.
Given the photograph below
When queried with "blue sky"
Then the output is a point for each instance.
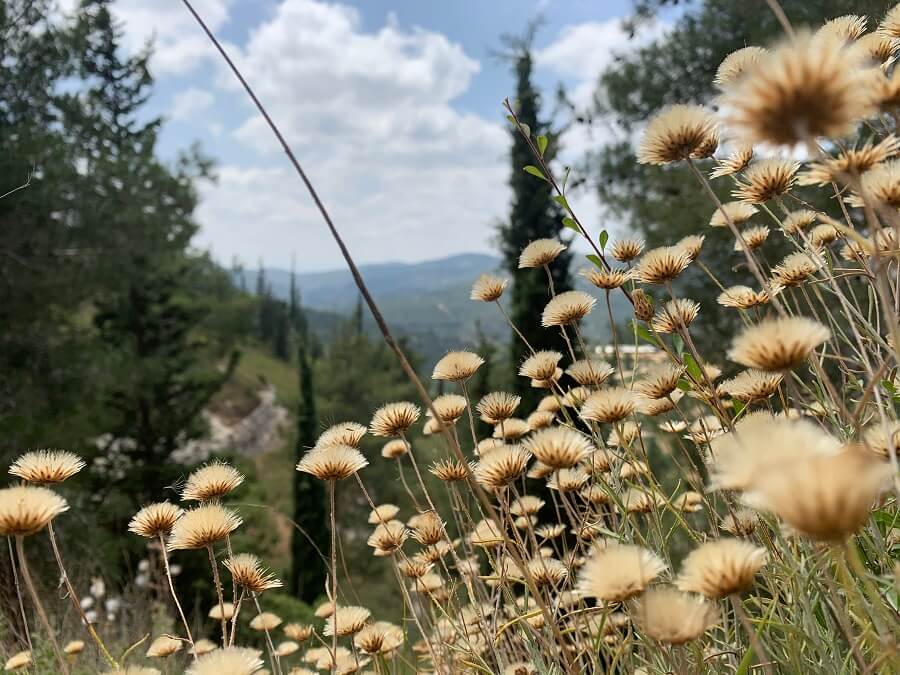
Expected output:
(393, 107)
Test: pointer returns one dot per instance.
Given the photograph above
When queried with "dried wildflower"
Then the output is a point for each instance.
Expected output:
(74, 647)
(46, 466)
(18, 661)
(286, 648)
(212, 481)
(823, 235)
(568, 480)
(619, 572)
(878, 440)
(540, 419)
(539, 470)
(414, 568)
(163, 646)
(850, 162)
(660, 381)
(661, 265)
(395, 448)
(540, 365)
(540, 252)
(502, 466)
(428, 529)
(643, 305)
(488, 288)
(380, 637)
(549, 403)
(736, 64)
(805, 88)
(741, 523)
(230, 660)
(449, 407)
(753, 237)
(334, 462)
(735, 162)
(430, 583)
(691, 245)
(626, 250)
(672, 617)
(752, 385)
(155, 519)
(778, 344)
(742, 297)
(658, 406)
(388, 537)
(343, 433)
(512, 429)
(675, 316)
(596, 494)
(845, 28)
(201, 526)
(497, 406)
(559, 447)
(880, 185)
(766, 179)
(265, 621)
(485, 446)
(606, 279)
(551, 531)
(26, 509)
(631, 469)
(799, 220)
(383, 513)
(638, 500)
(298, 632)
(689, 502)
(450, 470)
(486, 534)
(547, 571)
(590, 372)
(622, 435)
(247, 571)
(736, 213)
(394, 419)
(548, 383)
(527, 505)
(457, 366)
(520, 668)
(218, 612)
(794, 269)
(609, 405)
(567, 308)
(721, 567)
(676, 133)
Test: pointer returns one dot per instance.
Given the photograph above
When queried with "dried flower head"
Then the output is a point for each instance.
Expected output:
(880, 185)
(247, 571)
(643, 305)
(689, 502)
(335, 462)
(806, 88)
(450, 470)
(741, 522)
(497, 406)
(850, 162)
(297, 631)
(488, 288)
(26, 509)
(388, 537)
(742, 297)
(383, 513)
(737, 213)
(752, 385)
(736, 64)
(212, 481)
(428, 528)
(228, 660)
(794, 269)
(155, 519)
(675, 316)
(457, 366)
(449, 407)
(46, 466)
(347, 621)
(778, 344)
(18, 661)
(202, 526)
(567, 308)
(512, 429)
(394, 449)
(626, 250)
(766, 179)
(721, 567)
(380, 637)
(225, 610)
(559, 447)
(590, 372)
(540, 365)
(394, 419)
(526, 505)
(616, 573)
(639, 500)
(609, 405)
(540, 419)
(486, 534)
(547, 571)
(660, 381)
(753, 238)
(735, 162)
(845, 28)
(568, 480)
(672, 617)
(691, 245)
(661, 265)
(501, 466)
(606, 279)
(265, 621)
(163, 646)
(877, 439)
(676, 133)
(74, 647)
(799, 220)
(540, 252)
(286, 648)
(823, 235)
(343, 433)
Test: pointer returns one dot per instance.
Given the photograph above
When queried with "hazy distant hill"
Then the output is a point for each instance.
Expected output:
(428, 301)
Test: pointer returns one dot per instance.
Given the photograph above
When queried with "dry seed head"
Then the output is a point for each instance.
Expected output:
(217, 612)
(736, 212)
(457, 366)
(163, 646)
(388, 537)
(766, 179)
(890, 24)
(549, 404)
(540, 252)
(247, 571)
(590, 372)
(806, 88)
(539, 470)
(558, 447)
(672, 617)
(46, 466)
(626, 250)
(660, 381)
(609, 405)
(380, 637)
(202, 526)
(486, 534)
(823, 235)
(486, 445)
(568, 480)
(675, 316)
(212, 481)
(623, 434)
(778, 344)
(343, 433)
(540, 419)
(413, 568)
(735, 162)
(512, 429)
(606, 279)
(394, 448)
(794, 269)
(753, 237)
(643, 305)
(736, 64)
(721, 567)
(540, 365)
(428, 529)
(878, 440)
(639, 500)
(286, 648)
(228, 660)
(155, 519)
(850, 162)
(19, 661)
(550, 531)
(689, 502)
(497, 406)
(488, 288)
(334, 462)
(502, 466)
(527, 505)
(298, 632)
(450, 470)
(74, 647)
(265, 621)
(567, 308)
(548, 384)
(676, 133)
(880, 185)
(26, 509)
(596, 494)
(394, 419)
(691, 245)
(752, 385)
(632, 469)
(547, 571)
(741, 522)
(618, 572)
(430, 583)
(204, 646)
(661, 265)
(449, 407)
(795, 221)
(383, 513)
(742, 297)
(845, 28)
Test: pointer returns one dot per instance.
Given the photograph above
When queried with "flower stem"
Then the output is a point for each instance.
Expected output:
(187, 628)
(218, 583)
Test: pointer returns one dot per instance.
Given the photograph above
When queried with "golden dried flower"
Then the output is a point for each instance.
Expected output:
(619, 572)
(689, 502)
(74, 647)
(823, 235)
(735, 162)
(18, 661)
(298, 632)
(457, 366)
(488, 288)
(286, 648)
(590, 372)
(163, 646)
(527, 505)
(212, 481)
(658, 406)
(672, 617)
(248, 572)
(721, 567)
(752, 385)
(497, 406)
(736, 64)
(486, 534)
(380, 637)
(878, 440)
(742, 297)
(551, 531)
(643, 305)
(217, 612)
(559, 447)
(778, 344)
(394, 419)
(799, 220)
(880, 185)
(850, 162)
(735, 212)
(388, 537)
(202, 526)
(547, 571)
(450, 470)
(806, 88)
(741, 522)
(629, 431)
(691, 245)
(383, 513)
(568, 480)
(753, 237)
(343, 433)
(540, 365)
(394, 449)
(660, 381)
(766, 179)
(540, 419)
(334, 462)
(661, 265)
(230, 660)
(414, 568)
(606, 279)
(794, 269)
(596, 494)
(626, 250)
(449, 407)
(46, 466)
(26, 509)
(512, 429)
(540, 252)
(155, 519)
(844, 28)
(637, 500)
(428, 528)
(609, 405)
(501, 466)
(890, 24)
(675, 316)
(567, 308)
(265, 621)
(676, 133)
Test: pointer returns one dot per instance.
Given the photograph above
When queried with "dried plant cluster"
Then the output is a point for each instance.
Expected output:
(650, 515)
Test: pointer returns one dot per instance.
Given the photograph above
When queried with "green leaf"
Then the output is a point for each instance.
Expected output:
(512, 120)
(738, 406)
(684, 385)
(643, 333)
(534, 171)
(571, 224)
(525, 129)
(561, 200)
(599, 263)
(604, 237)
(542, 144)
(678, 343)
(692, 368)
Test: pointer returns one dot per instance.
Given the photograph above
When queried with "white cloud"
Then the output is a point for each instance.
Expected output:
(190, 102)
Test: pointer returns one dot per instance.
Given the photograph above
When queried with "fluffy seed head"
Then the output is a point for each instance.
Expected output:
(609, 405)
(394, 419)
(850, 162)
(567, 308)
(247, 571)
(26, 509)
(721, 567)
(527, 505)
(881, 186)
(342, 433)
(675, 316)
(449, 407)
(212, 481)
(380, 637)
(18, 661)
(501, 466)
(678, 132)
(606, 279)
(394, 448)
(486, 534)
(672, 617)
(155, 519)
(547, 571)
(540, 252)
(736, 64)
(497, 406)
(74, 647)
(227, 661)
(794, 269)
(201, 526)
(626, 250)
(753, 237)
(226, 610)
(798, 220)
(457, 366)
(488, 288)
(661, 265)
(46, 466)
(619, 572)
(540, 419)
(297, 631)
(844, 28)
(265, 621)
(559, 447)
(347, 621)
(661, 381)
(590, 372)
(643, 305)
(778, 344)
(735, 162)
(691, 245)
(766, 179)
(163, 646)
(736, 212)
(450, 470)
(383, 513)
(540, 365)
(388, 537)
(742, 297)
(752, 385)
(741, 522)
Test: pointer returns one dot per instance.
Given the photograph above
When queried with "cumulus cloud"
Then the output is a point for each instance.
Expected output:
(191, 101)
